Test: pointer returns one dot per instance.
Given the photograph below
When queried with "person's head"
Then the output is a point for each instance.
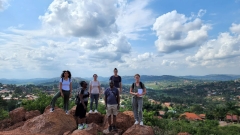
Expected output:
(95, 76)
(137, 77)
(83, 84)
(115, 71)
(66, 73)
(111, 84)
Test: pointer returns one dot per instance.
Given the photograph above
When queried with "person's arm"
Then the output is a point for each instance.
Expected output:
(60, 88)
(118, 98)
(105, 98)
(81, 99)
(90, 87)
(120, 84)
(131, 91)
(70, 89)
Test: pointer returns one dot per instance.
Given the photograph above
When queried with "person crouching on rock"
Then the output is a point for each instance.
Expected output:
(65, 89)
(137, 90)
(81, 108)
(112, 101)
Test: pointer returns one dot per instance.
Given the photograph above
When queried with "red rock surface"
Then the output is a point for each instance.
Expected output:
(57, 123)
(93, 129)
(95, 118)
(17, 115)
(139, 130)
(124, 120)
(31, 114)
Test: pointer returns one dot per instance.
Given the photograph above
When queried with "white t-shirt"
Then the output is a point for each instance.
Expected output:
(95, 89)
(65, 84)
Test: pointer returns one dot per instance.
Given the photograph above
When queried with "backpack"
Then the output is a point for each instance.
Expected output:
(77, 99)
(141, 85)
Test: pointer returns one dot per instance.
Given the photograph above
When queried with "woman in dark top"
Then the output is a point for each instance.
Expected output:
(82, 106)
(117, 80)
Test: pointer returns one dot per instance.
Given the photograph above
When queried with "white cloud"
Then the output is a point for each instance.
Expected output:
(218, 52)
(169, 63)
(201, 12)
(4, 4)
(176, 32)
(81, 18)
(134, 17)
(235, 28)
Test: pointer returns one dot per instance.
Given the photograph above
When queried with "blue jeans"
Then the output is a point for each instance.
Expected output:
(94, 97)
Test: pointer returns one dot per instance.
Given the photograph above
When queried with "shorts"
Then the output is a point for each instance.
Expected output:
(112, 109)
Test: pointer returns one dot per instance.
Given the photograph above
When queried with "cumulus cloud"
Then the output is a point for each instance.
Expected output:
(225, 49)
(235, 28)
(176, 32)
(81, 18)
(134, 17)
(169, 63)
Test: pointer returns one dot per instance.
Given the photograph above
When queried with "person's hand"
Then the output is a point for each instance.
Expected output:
(118, 107)
(105, 106)
(85, 108)
(62, 94)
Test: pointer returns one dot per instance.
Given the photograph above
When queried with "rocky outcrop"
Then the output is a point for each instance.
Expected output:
(31, 114)
(93, 129)
(57, 123)
(17, 115)
(95, 118)
(139, 130)
(124, 120)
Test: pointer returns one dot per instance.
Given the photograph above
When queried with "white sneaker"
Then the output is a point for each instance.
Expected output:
(67, 112)
(95, 111)
(51, 109)
(136, 122)
(80, 126)
(90, 111)
(141, 123)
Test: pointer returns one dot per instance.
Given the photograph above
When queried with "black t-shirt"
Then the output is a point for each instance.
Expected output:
(116, 80)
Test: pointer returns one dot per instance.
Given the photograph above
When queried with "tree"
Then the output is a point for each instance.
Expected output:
(231, 108)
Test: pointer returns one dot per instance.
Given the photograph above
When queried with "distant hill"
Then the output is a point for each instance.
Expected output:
(125, 79)
(214, 77)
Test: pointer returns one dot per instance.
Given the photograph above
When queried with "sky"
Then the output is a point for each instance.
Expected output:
(41, 38)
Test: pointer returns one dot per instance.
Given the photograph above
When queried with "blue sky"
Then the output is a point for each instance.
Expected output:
(39, 39)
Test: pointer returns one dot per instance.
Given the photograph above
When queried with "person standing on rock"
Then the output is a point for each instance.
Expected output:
(112, 101)
(65, 89)
(81, 108)
(117, 80)
(137, 90)
(94, 89)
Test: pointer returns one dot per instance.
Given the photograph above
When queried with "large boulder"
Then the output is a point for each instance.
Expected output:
(124, 120)
(95, 118)
(57, 123)
(139, 130)
(93, 129)
(5, 124)
(17, 115)
(31, 114)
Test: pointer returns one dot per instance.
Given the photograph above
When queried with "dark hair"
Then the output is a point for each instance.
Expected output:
(62, 75)
(115, 69)
(81, 83)
(111, 82)
(95, 74)
(137, 75)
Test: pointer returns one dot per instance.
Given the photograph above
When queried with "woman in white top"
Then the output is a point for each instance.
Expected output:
(65, 89)
(94, 92)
